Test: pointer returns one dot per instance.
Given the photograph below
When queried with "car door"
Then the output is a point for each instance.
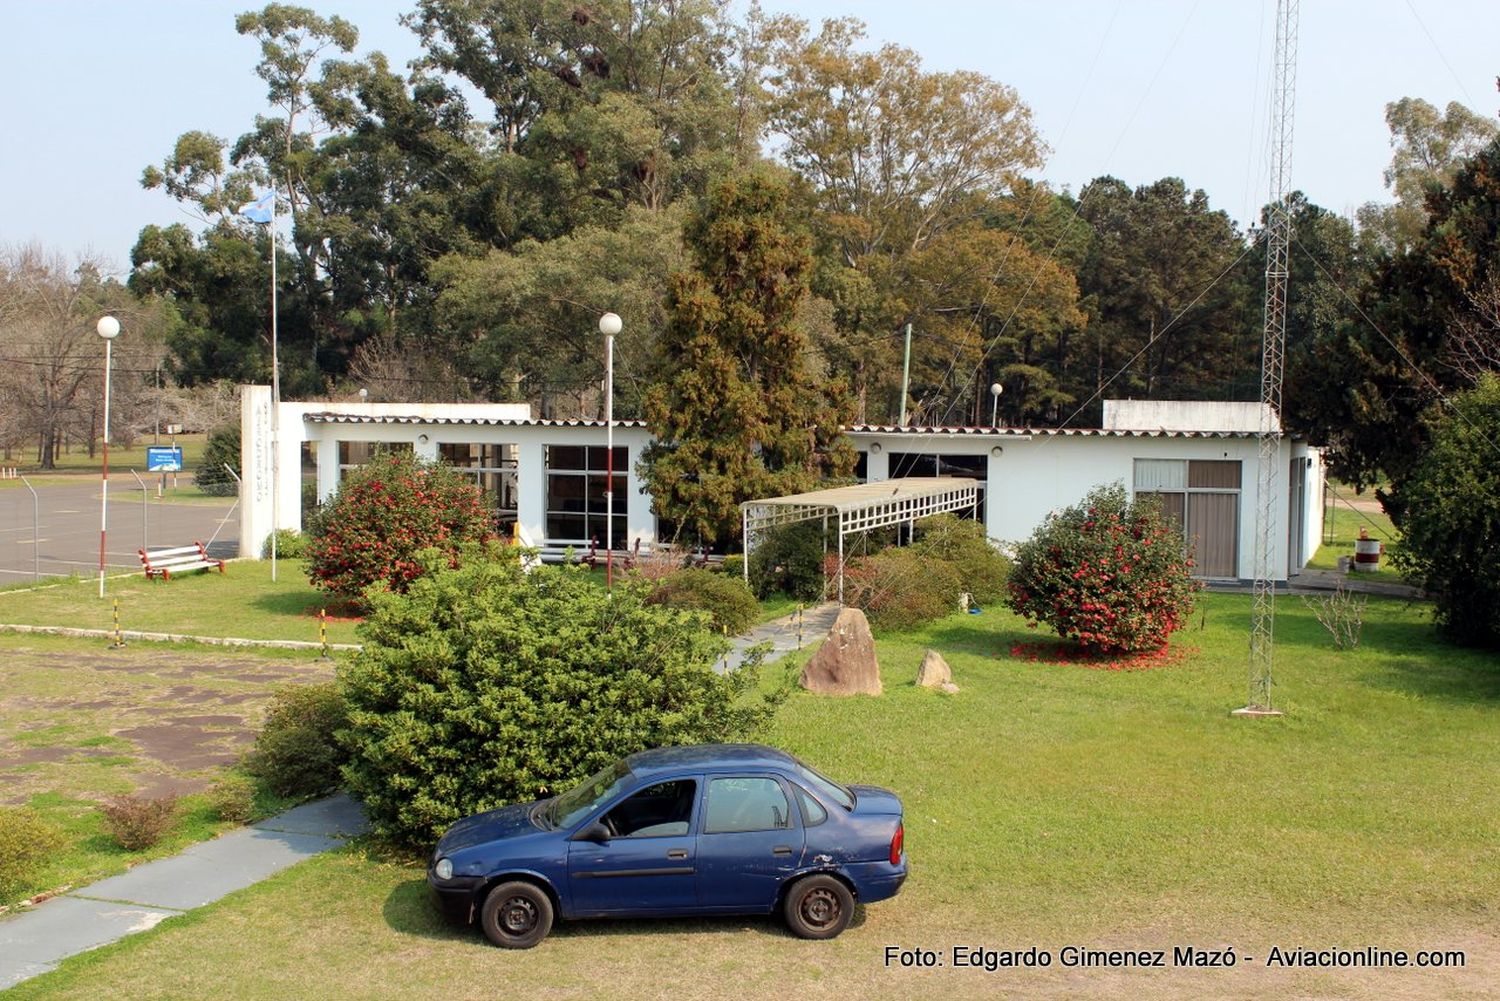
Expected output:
(647, 865)
(751, 840)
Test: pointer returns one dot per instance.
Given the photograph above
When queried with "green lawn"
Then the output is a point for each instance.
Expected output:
(121, 458)
(1047, 804)
(80, 722)
(240, 602)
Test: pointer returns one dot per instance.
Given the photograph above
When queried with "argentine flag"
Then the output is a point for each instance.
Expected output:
(262, 209)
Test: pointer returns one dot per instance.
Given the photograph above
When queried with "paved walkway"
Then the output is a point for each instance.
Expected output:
(784, 634)
(35, 941)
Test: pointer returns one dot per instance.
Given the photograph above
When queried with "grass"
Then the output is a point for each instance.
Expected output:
(121, 458)
(1343, 529)
(80, 722)
(1046, 804)
(241, 602)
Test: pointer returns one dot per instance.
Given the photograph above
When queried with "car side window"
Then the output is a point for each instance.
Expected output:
(746, 804)
(813, 813)
(662, 810)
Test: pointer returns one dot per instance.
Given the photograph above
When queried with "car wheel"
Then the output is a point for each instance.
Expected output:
(516, 915)
(818, 907)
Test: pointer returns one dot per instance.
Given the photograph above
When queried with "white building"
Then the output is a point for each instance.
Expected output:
(548, 476)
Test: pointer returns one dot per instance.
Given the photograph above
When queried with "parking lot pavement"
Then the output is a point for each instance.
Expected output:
(59, 532)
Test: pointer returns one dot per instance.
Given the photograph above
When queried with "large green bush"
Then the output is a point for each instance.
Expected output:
(789, 559)
(384, 514)
(962, 544)
(222, 447)
(296, 753)
(26, 841)
(1110, 574)
(484, 685)
(900, 588)
(1450, 522)
(726, 599)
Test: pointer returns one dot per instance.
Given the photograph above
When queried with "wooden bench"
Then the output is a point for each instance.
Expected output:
(165, 562)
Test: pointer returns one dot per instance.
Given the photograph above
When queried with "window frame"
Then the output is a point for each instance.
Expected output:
(793, 813)
(1187, 491)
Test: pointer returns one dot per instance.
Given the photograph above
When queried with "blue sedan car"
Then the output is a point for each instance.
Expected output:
(710, 829)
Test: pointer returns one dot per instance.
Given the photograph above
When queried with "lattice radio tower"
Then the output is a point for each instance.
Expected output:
(1273, 341)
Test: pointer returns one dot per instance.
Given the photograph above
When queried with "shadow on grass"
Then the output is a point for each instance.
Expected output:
(409, 910)
(303, 605)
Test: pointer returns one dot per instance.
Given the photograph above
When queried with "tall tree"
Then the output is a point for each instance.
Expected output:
(739, 415)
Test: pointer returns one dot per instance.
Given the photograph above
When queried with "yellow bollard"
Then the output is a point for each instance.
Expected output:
(323, 633)
(119, 640)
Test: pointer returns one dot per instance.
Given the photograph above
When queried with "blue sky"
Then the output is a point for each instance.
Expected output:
(96, 90)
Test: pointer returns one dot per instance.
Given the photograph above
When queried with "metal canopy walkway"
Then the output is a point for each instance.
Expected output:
(858, 508)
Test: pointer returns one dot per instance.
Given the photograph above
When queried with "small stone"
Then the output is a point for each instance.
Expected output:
(934, 671)
(948, 688)
(845, 664)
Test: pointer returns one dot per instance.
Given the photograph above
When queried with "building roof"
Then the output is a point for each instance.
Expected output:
(329, 417)
(993, 432)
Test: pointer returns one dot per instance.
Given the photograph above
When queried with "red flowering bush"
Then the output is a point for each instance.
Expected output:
(385, 513)
(1109, 574)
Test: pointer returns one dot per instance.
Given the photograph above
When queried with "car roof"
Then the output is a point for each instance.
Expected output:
(709, 757)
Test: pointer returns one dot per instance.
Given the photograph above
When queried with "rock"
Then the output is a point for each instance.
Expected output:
(934, 671)
(845, 664)
(948, 688)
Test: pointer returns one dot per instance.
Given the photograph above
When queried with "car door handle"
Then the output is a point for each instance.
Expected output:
(677, 853)
(782, 850)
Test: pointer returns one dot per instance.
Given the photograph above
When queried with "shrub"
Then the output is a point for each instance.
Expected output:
(733, 566)
(789, 559)
(26, 840)
(726, 599)
(1109, 574)
(1450, 522)
(232, 798)
(137, 822)
(962, 544)
(296, 753)
(484, 685)
(223, 446)
(290, 545)
(384, 514)
(1341, 613)
(899, 588)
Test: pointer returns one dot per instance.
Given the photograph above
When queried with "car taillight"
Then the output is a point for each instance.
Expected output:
(897, 843)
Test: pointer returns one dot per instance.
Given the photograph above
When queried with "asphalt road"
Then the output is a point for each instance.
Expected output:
(68, 519)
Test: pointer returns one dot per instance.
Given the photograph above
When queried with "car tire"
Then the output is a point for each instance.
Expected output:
(818, 907)
(516, 915)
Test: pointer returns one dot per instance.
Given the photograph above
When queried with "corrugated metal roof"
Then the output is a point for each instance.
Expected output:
(862, 495)
(541, 422)
(1041, 432)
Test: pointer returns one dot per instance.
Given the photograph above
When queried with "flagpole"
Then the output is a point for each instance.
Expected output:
(275, 397)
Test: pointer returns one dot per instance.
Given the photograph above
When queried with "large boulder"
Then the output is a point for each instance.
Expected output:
(934, 672)
(845, 664)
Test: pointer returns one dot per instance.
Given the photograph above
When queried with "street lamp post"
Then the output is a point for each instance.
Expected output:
(609, 325)
(108, 328)
(995, 390)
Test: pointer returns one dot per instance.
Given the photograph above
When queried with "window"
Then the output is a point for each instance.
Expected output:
(663, 810)
(813, 813)
(353, 454)
(1202, 497)
(576, 502)
(746, 804)
(493, 468)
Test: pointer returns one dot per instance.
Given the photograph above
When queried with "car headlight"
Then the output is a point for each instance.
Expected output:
(443, 869)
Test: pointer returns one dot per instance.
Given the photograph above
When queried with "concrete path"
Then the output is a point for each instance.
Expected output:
(35, 941)
(784, 635)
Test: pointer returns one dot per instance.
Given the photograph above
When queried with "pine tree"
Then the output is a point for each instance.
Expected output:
(739, 415)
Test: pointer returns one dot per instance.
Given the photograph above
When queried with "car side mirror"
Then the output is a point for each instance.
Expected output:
(596, 832)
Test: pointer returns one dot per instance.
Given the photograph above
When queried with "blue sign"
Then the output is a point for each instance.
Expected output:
(163, 460)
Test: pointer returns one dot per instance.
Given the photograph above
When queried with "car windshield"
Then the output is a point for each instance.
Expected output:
(575, 804)
(827, 787)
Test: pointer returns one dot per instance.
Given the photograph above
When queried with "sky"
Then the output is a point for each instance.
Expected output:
(95, 90)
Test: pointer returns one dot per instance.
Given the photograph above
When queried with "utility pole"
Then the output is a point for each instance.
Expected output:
(1273, 340)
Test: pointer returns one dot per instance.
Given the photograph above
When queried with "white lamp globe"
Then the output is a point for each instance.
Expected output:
(108, 327)
(996, 389)
(610, 324)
